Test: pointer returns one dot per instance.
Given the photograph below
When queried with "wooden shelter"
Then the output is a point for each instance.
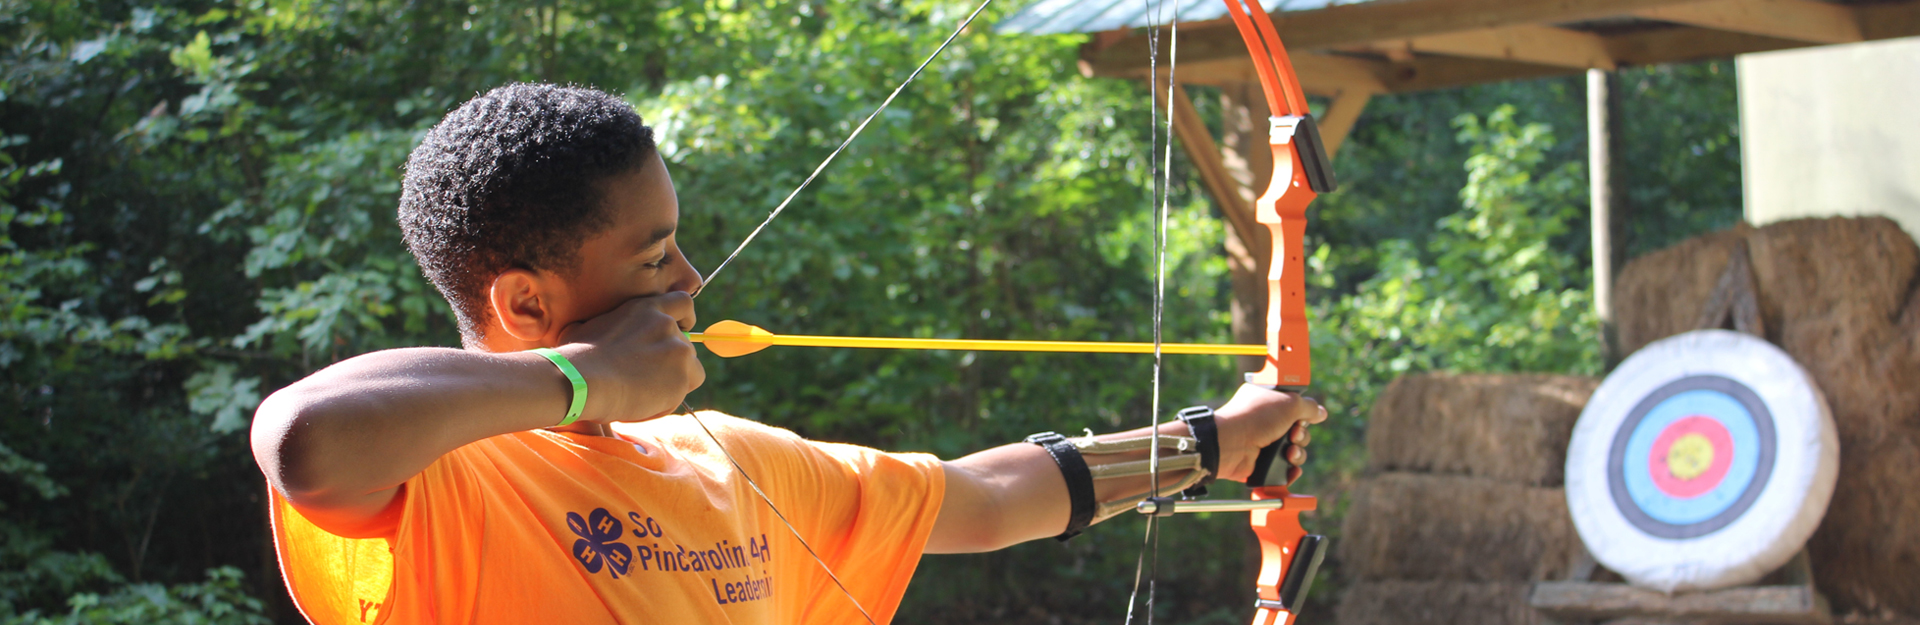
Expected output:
(1351, 52)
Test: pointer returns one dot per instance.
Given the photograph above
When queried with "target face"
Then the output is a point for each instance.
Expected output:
(1704, 461)
(1691, 457)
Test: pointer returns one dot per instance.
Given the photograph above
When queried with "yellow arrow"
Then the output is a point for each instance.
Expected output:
(732, 338)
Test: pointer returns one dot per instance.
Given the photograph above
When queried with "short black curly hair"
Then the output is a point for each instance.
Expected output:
(508, 180)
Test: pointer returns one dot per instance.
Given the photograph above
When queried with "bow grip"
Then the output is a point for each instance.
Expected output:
(1289, 555)
(1270, 467)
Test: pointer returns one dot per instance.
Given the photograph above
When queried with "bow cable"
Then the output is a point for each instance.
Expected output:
(1160, 182)
(755, 233)
(776, 512)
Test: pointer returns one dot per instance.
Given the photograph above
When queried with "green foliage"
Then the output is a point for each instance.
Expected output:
(196, 205)
(217, 601)
(32, 572)
(1488, 292)
(1677, 156)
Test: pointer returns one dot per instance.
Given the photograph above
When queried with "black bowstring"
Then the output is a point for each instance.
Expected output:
(1160, 184)
(708, 280)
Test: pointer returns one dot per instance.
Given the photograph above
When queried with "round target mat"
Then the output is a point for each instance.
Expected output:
(1704, 461)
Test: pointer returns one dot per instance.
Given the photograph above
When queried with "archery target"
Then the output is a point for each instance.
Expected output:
(1704, 461)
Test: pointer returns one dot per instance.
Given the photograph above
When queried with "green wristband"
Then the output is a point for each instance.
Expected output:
(573, 375)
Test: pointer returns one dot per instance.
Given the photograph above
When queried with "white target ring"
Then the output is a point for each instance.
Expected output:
(1704, 461)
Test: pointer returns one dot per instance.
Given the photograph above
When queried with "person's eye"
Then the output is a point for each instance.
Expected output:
(663, 262)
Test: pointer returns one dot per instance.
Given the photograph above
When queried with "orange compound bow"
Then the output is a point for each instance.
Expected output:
(1301, 171)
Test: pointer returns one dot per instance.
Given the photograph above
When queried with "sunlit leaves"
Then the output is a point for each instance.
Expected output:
(1489, 292)
(219, 393)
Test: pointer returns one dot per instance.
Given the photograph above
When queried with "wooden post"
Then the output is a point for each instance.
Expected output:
(1249, 160)
(1337, 122)
(1600, 194)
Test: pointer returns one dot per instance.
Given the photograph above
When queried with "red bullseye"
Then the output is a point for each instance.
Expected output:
(1690, 457)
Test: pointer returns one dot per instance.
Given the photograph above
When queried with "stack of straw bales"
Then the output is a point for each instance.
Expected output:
(1464, 508)
(1840, 296)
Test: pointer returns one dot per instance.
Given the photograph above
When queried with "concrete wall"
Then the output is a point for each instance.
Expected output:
(1832, 130)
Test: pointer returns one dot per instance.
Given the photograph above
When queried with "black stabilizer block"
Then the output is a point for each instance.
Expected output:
(1306, 562)
(1313, 155)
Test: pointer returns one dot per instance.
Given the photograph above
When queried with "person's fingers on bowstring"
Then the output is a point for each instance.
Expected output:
(636, 358)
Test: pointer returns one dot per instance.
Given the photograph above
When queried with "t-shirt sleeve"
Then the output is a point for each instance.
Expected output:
(866, 513)
(335, 579)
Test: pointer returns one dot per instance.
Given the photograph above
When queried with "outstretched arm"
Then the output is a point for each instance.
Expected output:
(1015, 493)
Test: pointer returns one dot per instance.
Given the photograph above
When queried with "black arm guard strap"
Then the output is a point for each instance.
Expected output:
(1079, 480)
(1199, 420)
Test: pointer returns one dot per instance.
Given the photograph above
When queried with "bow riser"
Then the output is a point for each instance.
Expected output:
(1289, 556)
(1283, 208)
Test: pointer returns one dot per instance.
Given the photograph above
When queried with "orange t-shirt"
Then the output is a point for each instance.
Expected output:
(654, 526)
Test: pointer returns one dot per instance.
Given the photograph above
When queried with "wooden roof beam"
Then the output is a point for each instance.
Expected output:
(1429, 72)
(1889, 20)
(1320, 74)
(1527, 43)
(1365, 23)
(1682, 44)
(1331, 76)
(1798, 20)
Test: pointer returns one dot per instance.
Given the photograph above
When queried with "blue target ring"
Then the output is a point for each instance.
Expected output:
(1638, 472)
(1644, 498)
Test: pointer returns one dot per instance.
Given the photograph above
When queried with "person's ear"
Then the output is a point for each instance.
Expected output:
(522, 303)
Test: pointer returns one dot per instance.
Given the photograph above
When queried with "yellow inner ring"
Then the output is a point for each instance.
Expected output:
(1690, 456)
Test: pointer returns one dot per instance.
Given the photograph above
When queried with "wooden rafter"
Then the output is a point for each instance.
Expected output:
(1338, 121)
(1799, 20)
(1359, 24)
(1886, 21)
(1320, 74)
(1681, 44)
(1200, 147)
(1412, 45)
(1527, 43)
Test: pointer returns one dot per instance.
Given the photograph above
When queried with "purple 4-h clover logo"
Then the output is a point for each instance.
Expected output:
(598, 545)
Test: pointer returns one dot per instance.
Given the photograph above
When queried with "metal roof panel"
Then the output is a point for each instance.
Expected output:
(1052, 17)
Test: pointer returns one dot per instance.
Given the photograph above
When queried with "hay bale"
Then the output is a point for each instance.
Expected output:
(1867, 372)
(1436, 527)
(1866, 554)
(1862, 268)
(1662, 293)
(1400, 602)
(1810, 268)
(1505, 427)
(1835, 289)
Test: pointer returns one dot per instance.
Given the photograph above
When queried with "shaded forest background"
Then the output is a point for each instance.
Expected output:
(196, 208)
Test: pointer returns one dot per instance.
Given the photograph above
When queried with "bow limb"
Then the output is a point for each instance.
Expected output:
(1289, 555)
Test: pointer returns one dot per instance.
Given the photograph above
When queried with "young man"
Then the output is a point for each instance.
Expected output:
(431, 485)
